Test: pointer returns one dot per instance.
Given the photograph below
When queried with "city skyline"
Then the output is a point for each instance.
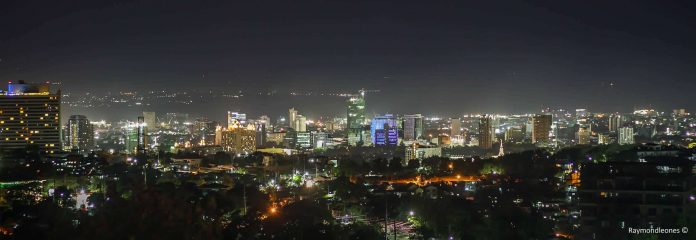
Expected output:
(347, 119)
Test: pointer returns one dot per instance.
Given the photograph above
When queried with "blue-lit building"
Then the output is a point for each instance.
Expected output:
(384, 130)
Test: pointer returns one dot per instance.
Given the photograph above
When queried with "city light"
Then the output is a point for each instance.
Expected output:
(347, 120)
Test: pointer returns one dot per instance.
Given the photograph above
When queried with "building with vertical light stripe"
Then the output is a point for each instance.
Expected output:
(30, 115)
(356, 119)
(80, 134)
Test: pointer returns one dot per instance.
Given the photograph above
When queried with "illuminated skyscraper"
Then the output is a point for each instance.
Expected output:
(603, 139)
(266, 121)
(300, 123)
(142, 131)
(30, 115)
(260, 134)
(80, 133)
(384, 131)
(485, 132)
(584, 133)
(413, 127)
(237, 138)
(150, 120)
(541, 128)
(455, 127)
(615, 122)
(292, 115)
(626, 136)
(514, 134)
(356, 118)
(130, 132)
(203, 131)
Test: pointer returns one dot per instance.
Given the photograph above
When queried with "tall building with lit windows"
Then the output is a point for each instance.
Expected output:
(300, 123)
(80, 134)
(292, 115)
(356, 118)
(237, 138)
(384, 131)
(30, 115)
(615, 122)
(485, 132)
(626, 136)
(455, 127)
(413, 127)
(142, 135)
(541, 128)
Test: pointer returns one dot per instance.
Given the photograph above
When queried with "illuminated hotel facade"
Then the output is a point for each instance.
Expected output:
(237, 138)
(30, 115)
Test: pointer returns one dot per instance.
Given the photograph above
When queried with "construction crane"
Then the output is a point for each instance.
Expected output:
(363, 91)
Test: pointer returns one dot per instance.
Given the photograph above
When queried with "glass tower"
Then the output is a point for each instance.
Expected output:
(356, 118)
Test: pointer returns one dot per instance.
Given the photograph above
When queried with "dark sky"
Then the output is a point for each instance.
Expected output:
(426, 55)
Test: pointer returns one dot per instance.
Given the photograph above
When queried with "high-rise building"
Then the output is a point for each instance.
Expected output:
(130, 132)
(292, 115)
(30, 115)
(150, 120)
(541, 128)
(384, 131)
(203, 131)
(615, 122)
(80, 133)
(485, 136)
(413, 127)
(266, 121)
(356, 118)
(237, 138)
(386, 136)
(584, 133)
(174, 121)
(300, 123)
(455, 126)
(626, 136)
(514, 134)
(603, 139)
(260, 134)
(142, 135)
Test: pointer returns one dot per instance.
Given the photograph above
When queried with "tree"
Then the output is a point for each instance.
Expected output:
(395, 166)
(222, 158)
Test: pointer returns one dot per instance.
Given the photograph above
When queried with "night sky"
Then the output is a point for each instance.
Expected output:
(425, 56)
